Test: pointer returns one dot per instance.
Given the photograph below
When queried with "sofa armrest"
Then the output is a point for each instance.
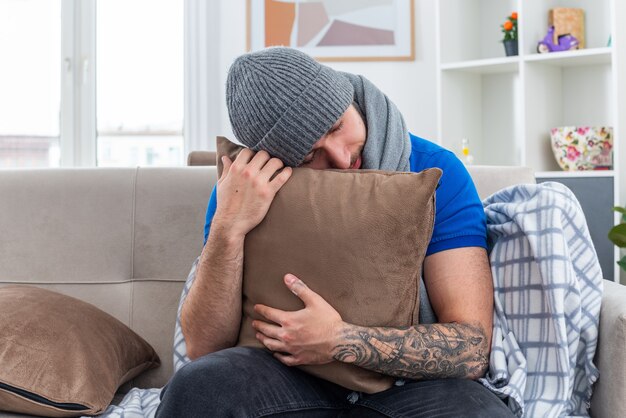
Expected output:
(202, 158)
(610, 390)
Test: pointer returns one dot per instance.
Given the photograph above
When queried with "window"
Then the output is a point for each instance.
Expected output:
(139, 82)
(30, 82)
(57, 109)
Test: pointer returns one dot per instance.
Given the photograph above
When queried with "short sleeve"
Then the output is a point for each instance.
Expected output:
(210, 212)
(459, 218)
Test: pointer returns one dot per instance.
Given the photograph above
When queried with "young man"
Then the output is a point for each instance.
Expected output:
(290, 110)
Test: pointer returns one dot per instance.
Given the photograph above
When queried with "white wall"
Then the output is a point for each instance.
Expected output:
(410, 85)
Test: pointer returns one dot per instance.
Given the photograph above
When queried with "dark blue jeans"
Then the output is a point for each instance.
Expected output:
(250, 382)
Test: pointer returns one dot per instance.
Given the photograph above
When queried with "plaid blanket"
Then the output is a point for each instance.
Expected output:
(548, 289)
(138, 403)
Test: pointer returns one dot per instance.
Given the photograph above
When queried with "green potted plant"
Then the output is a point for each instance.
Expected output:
(617, 234)
(509, 28)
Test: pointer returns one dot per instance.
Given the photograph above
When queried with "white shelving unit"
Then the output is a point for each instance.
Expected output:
(506, 106)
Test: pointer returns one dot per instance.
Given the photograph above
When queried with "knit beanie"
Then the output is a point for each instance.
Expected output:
(283, 101)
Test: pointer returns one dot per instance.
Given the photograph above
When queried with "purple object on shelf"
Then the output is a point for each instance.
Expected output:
(565, 42)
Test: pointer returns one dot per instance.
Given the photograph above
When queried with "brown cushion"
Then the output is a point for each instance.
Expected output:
(62, 357)
(356, 237)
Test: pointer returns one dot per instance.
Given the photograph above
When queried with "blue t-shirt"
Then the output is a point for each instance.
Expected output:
(459, 216)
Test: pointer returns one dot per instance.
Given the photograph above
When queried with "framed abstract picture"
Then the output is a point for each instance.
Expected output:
(335, 30)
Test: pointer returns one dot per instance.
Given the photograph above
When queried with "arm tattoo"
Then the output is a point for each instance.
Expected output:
(418, 352)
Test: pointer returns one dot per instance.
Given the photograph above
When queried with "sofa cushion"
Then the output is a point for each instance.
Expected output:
(61, 356)
(356, 237)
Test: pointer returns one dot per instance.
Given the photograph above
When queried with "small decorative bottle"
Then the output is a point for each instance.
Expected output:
(468, 158)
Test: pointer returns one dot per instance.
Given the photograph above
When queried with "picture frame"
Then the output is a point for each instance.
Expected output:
(331, 30)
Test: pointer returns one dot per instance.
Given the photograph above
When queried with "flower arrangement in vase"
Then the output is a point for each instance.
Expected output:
(509, 28)
(583, 147)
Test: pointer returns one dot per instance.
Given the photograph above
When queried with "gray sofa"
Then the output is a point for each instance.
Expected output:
(124, 239)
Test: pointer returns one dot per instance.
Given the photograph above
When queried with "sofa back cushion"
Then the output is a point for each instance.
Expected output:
(121, 239)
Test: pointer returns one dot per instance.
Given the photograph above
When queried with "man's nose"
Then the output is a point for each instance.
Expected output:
(338, 157)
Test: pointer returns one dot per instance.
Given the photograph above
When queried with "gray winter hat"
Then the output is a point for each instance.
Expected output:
(283, 101)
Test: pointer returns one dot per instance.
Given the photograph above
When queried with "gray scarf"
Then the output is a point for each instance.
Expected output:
(387, 146)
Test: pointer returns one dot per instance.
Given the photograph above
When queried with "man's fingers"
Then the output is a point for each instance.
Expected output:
(301, 290)
(270, 343)
(281, 178)
(243, 158)
(275, 315)
(270, 330)
(286, 359)
(227, 163)
(271, 167)
(258, 160)
(259, 164)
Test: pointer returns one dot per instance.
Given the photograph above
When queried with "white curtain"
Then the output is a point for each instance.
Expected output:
(203, 104)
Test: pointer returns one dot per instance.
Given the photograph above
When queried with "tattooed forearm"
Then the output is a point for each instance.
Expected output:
(419, 352)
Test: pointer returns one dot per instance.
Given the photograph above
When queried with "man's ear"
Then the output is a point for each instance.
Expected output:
(225, 147)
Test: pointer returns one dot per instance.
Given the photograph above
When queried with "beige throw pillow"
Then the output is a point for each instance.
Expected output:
(356, 237)
(62, 357)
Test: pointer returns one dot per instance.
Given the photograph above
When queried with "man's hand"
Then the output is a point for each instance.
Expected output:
(245, 191)
(460, 289)
(211, 315)
(307, 336)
